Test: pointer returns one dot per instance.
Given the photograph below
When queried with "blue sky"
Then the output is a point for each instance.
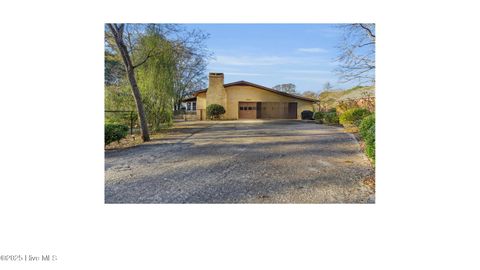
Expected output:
(271, 54)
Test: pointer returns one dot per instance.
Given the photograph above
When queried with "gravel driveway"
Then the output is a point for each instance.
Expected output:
(283, 161)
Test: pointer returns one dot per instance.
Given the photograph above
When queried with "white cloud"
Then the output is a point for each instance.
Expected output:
(312, 50)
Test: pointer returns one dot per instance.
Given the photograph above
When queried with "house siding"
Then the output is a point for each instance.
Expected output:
(241, 93)
(201, 106)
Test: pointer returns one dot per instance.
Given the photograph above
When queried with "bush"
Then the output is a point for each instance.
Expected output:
(330, 118)
(353, 116)
(326, 117)
(214, 111)
(366, 124)
(367, 131)
(115, 132)
(318, 116)
(307, 115)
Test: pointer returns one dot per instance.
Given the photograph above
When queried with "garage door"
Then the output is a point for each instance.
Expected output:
(278, 110)
(247, 110)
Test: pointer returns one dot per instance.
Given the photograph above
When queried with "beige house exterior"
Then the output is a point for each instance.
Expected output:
(245, 100)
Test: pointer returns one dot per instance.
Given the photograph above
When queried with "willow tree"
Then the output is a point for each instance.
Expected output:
(157, 78)
(170, 62)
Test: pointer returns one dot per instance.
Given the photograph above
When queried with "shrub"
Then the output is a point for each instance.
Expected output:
(115, 132)
(332, 110)
(326, 117)
(330, 118)
(307, 115)
(347, 104)
(318, 116)
(214, 111)
(367, 131)
(353, 116)
(366, 124)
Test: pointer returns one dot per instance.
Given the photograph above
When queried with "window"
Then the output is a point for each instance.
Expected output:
(194, 106)
(241, 108)
(249, 108)
(189, 106)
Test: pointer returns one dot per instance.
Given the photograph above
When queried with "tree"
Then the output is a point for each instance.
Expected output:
(114, 72)
(286, 87)
(310, 94)
(117, 30)
(191, 63)
(156, 77)
(357, 53)
(327, 86)
(173, 63)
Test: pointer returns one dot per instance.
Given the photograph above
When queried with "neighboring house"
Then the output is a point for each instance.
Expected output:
(246, 100)
(189, 104)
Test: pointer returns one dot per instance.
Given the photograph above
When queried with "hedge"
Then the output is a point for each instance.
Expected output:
(367, 131)
(330, 117)
(115, 132)
(318, 116)
(353, 116)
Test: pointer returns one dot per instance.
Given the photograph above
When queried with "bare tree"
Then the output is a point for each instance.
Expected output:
(192, 56)
(327, 86)
(117, 30)
(310, 94)
(286, 87)
(357, 53)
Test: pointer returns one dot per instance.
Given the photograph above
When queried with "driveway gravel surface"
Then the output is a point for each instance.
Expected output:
(257, 161)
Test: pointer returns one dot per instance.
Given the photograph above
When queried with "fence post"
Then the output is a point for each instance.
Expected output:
(131, 122)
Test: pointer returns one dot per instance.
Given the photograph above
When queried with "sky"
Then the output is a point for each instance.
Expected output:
(272, 54)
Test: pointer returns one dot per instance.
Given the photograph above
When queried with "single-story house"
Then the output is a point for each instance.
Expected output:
(188, 104)
(246, 100)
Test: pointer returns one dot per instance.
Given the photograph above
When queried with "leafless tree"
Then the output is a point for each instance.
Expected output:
(117, 31)
(192, 60)
(286, 87)
(310, 94)
(357, 53)
(327, 86)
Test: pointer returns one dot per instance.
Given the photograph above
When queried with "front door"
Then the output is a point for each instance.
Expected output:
(247, 110)
(292, 110)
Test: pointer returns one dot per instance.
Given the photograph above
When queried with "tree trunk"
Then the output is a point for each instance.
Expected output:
(117, 32)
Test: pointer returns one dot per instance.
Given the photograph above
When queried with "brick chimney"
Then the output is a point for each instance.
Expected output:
(216, 93)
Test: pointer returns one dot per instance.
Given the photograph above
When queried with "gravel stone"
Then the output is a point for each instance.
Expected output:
(256, 161)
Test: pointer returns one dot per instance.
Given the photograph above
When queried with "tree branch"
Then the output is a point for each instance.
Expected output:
(372, 36)
(366, 44)
(144, 60)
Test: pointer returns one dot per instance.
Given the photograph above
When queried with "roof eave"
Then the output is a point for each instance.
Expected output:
(261, 87)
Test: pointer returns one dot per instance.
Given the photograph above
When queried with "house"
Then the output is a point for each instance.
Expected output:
(188, 105)
(246, 100)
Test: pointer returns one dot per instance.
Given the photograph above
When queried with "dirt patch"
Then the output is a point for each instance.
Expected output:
(369, 181)
(131, 141)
